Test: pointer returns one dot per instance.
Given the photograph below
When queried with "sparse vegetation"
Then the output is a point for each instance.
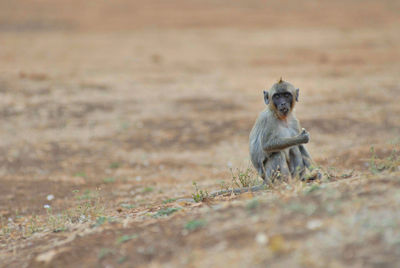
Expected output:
(199, 195)
(109, 180)
(87, 195)
(115, 165)
(244, 178)
(312, 188)
(224, 186)
(165, 212)
(148, 189)
(100, 221)
(57, 222)
(390, 163)
(104, 252)
(253, 204)
(80, 174)
(128, 206)
(195, 224)
(169, 200)
(122, 259)
(125, 238)
(87, 210)
(130, 110)
(302, 208)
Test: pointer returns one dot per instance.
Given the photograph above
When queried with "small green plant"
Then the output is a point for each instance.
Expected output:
(90, 207)
(246, 178)
(276, 176)
(56, 222)
(303, 208)
(128, 206)
(347, 174)
(122, 259)
(33, 226)
(223, 186)
(148, 189)
(372, 162)
(390, 163)
(125, 238)
(165, 212)
(100, 221)
(104, 252)
(109, 180)
(5, 229)
(195, 224)
(312, 188)
(199, 195)
(80, 174)
(114, 165)
(253, 204)
(124, 125)
(169, 200)
(87, 195)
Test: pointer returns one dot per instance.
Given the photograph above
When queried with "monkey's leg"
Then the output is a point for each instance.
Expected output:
(309, 163)
(296, 163)
(307, 160)
(260, 169)
(277, 167)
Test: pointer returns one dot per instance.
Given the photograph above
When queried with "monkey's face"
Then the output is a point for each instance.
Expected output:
(281, 98)
(283, 103)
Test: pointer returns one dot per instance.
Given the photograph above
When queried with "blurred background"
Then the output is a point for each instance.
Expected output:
(169, 90)
(141, 98)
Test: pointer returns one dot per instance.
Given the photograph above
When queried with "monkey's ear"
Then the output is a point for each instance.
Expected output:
(266, 98)
(297, 94)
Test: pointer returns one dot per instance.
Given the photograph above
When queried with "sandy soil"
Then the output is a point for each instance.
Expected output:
(117, 107)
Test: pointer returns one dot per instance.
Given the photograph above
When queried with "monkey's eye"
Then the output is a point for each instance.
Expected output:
(287, 95)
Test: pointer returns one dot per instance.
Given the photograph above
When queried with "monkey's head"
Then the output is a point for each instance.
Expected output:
(281, 98)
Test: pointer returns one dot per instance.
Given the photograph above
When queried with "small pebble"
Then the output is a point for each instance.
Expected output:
(262, 239)
(50, 197)
(314, 224)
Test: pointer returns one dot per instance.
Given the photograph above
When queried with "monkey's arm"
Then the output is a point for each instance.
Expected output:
(279, 144)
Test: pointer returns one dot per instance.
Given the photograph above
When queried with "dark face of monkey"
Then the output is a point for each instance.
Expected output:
(281, 98)
(283, 103)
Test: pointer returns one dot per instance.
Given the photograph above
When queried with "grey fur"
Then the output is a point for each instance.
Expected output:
(276, 143)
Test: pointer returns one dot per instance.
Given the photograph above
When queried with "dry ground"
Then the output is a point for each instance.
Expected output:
(116, 107)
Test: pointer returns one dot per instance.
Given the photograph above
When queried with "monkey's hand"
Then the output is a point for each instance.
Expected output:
(305, 136)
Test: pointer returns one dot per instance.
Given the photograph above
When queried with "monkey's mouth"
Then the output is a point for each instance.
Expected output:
(284, 111)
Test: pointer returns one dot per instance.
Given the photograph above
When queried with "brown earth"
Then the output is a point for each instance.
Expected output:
(115, 107)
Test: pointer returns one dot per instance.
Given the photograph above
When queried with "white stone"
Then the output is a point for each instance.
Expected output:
(261, 239)
(314, 224)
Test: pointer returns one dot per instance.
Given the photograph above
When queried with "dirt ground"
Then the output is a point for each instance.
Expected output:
(110, 110)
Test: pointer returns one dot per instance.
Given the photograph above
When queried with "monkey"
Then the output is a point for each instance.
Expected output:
(276, 141)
